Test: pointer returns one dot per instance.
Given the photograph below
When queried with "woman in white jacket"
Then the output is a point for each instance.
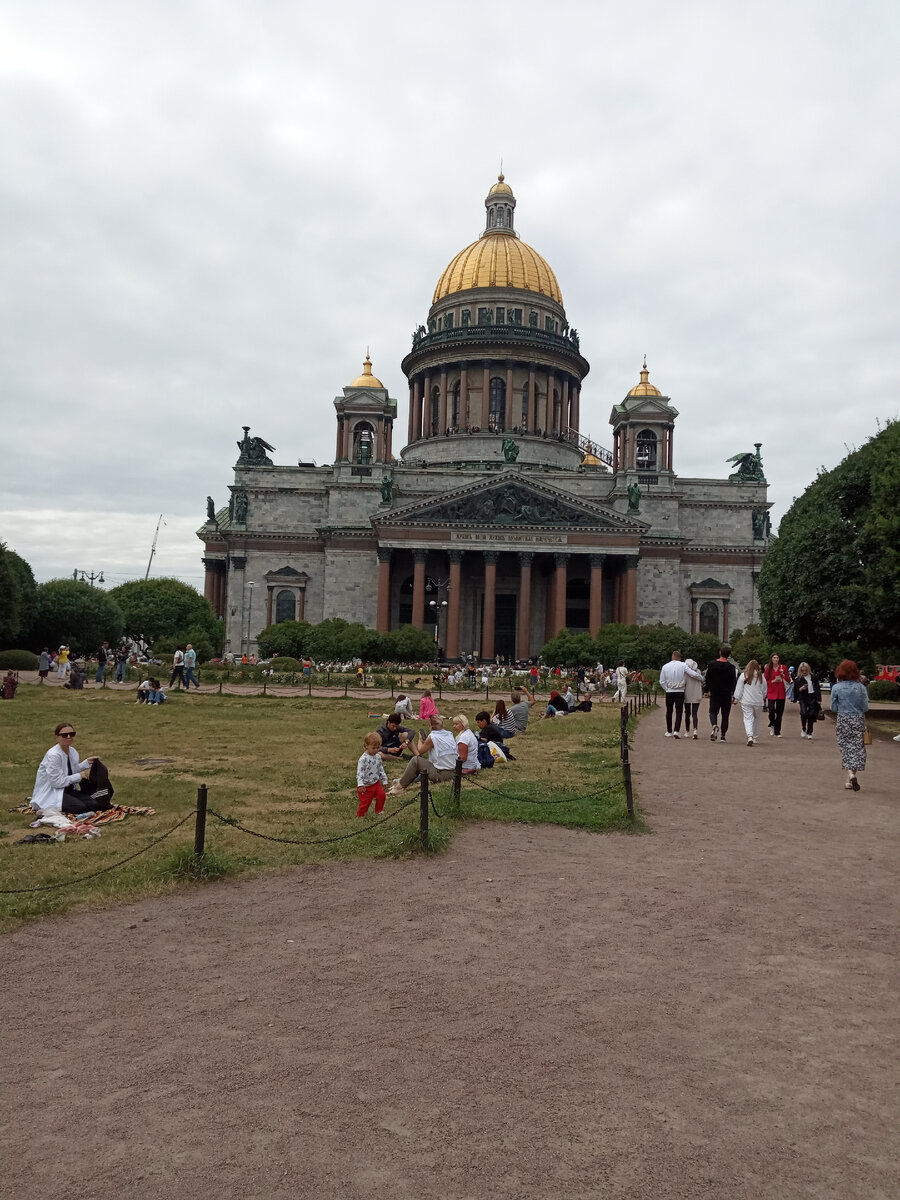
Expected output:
(750, 693)
(59, 772)
(693, 694)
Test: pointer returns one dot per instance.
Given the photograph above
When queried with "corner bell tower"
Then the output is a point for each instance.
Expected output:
(365, 421)
(643, 425)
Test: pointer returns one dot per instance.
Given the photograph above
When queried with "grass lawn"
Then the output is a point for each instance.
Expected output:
(285, 767)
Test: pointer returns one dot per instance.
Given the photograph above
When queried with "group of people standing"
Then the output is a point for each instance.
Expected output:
(759, 689)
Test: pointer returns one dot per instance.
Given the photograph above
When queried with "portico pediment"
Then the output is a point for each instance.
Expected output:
(512, 501)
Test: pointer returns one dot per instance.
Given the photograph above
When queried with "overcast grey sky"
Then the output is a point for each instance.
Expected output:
(210, 210)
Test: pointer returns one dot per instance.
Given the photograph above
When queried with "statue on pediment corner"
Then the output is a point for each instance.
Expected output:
(634, 498)
(510, 450)
(749, 467)
(210, 510)
(253, 451)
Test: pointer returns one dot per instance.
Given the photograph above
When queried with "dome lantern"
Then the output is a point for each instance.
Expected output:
(500, 204)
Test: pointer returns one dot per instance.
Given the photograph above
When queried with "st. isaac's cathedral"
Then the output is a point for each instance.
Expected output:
(499, 523)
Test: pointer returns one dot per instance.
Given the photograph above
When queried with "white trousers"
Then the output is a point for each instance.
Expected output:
(752, 713)
(621, 692)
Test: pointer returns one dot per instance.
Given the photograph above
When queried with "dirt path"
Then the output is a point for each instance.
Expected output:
(706, 1011)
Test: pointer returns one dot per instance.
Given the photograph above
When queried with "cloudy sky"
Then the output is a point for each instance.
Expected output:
(209, 209)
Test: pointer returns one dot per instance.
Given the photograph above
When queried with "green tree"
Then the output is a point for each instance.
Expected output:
(412, 645)
(18, 594)
(289, 639)
(166, 608)
(570, 649)
(76, 614)
(833, 572)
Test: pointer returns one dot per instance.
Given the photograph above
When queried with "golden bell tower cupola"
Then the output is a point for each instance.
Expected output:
(643, 427)
(365, 422)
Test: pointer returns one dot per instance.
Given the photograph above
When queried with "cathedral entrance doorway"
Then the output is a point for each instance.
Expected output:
(507, 610)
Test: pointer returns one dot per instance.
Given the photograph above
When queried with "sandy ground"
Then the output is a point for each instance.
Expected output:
(706, 1011)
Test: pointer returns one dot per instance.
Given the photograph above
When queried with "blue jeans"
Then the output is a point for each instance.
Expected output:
(190, 678)
(98, 678)
(156, 698)
(120, 672)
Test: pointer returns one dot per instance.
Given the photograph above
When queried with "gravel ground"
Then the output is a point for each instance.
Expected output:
(706, 1011)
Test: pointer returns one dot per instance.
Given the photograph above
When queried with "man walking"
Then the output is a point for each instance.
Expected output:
(121, 664)
(102, 656)
(721, 678)
(671, 680)
(177, 668)
(190, 661)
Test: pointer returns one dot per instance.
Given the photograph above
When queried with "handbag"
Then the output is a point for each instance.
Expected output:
(820, 715)
(867, 736)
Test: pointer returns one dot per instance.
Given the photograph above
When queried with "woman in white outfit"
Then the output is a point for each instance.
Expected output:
(750, 693)
(56, 784)
(621, 678)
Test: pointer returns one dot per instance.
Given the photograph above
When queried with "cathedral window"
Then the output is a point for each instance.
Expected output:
(548, 324)
(497, 402)
(709, 618)
(645, 450)
(466, 317)
(448, 321)
(485, 316)
(515, 316)
(533, 319)
(285, 606)
(501, 316)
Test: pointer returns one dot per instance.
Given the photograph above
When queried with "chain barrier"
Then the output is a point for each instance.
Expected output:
(439, 815)
(47, 887)
(268, 837)
(564, 800)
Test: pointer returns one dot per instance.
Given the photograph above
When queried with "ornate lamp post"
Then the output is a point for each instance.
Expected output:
(88, 576)
(251, 585)
(436, 606)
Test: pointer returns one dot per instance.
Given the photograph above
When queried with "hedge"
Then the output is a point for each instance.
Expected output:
(18, 660)
(879, 689)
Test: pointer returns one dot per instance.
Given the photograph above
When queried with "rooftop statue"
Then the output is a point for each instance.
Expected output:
(253, 451)
(210, 509)
(634, 498)
(387, 484)
(510, 450)
(749, 467)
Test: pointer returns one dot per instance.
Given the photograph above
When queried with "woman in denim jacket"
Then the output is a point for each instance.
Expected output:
(850, 701)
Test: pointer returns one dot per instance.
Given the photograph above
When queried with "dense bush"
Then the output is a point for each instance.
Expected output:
(18, 660)
(77, 615)
(639, 645)
(285, 664)
(879, 689)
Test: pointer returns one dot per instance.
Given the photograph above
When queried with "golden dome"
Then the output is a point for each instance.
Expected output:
(501, 187)
(591, 460)
(498, 259)
(367, 379)
(645, 388)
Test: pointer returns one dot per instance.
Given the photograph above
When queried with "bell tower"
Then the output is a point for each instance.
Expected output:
(643, 425)
(365, 421)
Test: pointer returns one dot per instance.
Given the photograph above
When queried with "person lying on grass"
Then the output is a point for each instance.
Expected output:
(371, 776)
(394, 738)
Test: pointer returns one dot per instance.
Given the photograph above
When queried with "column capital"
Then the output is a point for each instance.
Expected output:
(597, 560)
(561, 560)
(239, 562)
(491, 556)
(631, 560)
(455, 556)
(384, 554)
(419, 555)
(526, 557)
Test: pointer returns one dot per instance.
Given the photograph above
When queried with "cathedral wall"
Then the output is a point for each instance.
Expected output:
(661, 591)
(350, 586)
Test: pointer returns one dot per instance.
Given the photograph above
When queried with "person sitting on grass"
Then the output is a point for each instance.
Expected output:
(393, 738)
(556, 706)
(504, 720)
(371, 776)
(156, 695)
(76, 679)
(522, 703)
(466, 745)
(403, 707)
(440, 763)
(57, 783)
(10, 683)
(427, 707)
(488, 731)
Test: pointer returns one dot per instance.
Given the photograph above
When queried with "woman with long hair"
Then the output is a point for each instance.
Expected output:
(503, 720)
(750, 693)
(808, 695)
(777, 679)
(850, 701)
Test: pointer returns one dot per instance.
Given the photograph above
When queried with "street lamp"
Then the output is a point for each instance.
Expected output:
(436, 606)
(251, 585)
(90, 576)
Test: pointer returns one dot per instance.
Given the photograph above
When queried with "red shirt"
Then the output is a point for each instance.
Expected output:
(776, 680)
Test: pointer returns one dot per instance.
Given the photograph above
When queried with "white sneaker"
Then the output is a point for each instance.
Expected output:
(668, 735)
(715, 733)
(802, 734)
(771, 733)
(695, 737)
(676, 735)
(897, 738)
(750, 741)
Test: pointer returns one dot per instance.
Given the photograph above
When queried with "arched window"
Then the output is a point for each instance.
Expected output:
(454, 405)
(285, 606)
(435, 409)
(525, 406)
(363, 443)
(709, 618)
(497, 410)
(645, 451)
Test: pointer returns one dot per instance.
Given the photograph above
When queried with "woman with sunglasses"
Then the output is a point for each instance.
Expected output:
(56, 785)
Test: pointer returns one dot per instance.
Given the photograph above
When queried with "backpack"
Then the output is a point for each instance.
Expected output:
(485, 758)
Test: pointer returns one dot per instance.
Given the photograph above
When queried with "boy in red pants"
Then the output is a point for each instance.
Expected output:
(371, 776)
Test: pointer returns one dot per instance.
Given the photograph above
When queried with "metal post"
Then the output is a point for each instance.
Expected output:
(424, 784)
(345, 688)
(309, 689)
(220, 685)
(265, 682)
(457, 785)
(200, 826)
(626, 765)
